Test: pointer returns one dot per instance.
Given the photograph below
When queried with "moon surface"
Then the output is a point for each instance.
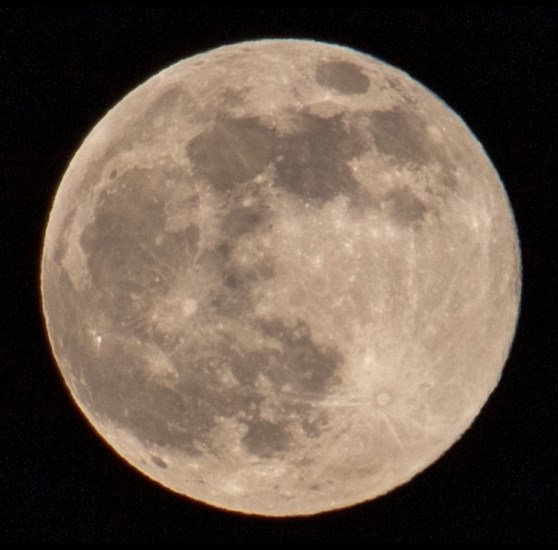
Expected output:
(281, 277)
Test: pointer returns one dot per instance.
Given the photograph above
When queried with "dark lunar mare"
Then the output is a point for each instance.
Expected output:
(343, 77)
(310, 163)
(124, 259)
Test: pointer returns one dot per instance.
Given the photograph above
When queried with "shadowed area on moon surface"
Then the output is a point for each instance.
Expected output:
(237, 285)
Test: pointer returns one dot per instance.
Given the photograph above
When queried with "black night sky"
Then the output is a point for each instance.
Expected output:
(61, 69)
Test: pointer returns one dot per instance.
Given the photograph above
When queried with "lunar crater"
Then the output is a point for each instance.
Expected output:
(342, 76)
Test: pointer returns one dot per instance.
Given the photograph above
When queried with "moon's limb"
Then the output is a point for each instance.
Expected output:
(281, 277)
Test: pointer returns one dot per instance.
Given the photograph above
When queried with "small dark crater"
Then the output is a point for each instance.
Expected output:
(232, 151)
(400, 135)
(343, 77)
(158, 461)
(265, 438)
(405, 207)
(113, 174)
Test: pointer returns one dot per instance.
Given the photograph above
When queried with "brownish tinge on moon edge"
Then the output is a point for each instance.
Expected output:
(283, 287)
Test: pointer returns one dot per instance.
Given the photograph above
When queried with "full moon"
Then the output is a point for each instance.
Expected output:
(281, 277)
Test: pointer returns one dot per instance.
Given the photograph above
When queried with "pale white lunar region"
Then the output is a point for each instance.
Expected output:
(281, 277)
